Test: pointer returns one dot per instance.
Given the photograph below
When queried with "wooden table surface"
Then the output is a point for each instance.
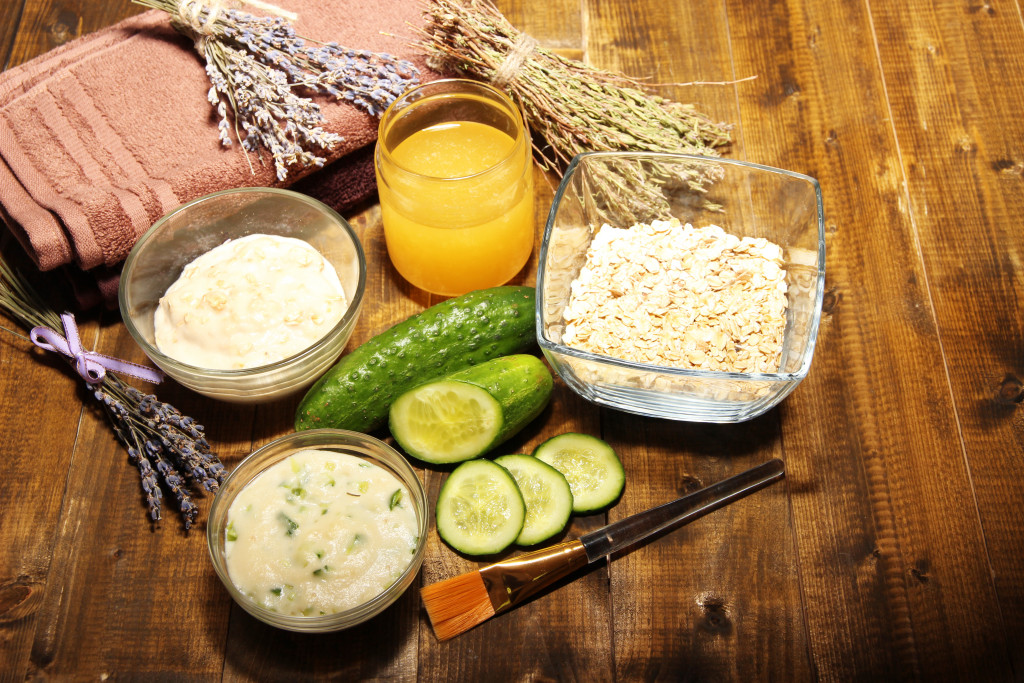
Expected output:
(893, 550)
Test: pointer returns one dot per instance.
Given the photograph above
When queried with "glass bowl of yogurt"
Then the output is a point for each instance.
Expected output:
(245, 295)
(319, 530)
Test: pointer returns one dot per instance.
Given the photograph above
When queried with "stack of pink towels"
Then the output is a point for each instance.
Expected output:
(102, 136)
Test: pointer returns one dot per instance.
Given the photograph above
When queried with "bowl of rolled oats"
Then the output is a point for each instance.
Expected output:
(700, 301)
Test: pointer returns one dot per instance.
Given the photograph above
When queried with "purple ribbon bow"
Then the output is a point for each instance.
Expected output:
(90, 365)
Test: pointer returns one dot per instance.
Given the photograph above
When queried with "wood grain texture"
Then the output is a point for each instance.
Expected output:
(10, 15)
(895, 497)
(894, 548)
(962, 151)
(40, 408)
(45, 24)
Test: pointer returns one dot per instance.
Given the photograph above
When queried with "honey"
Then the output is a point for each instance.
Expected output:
(456, 194)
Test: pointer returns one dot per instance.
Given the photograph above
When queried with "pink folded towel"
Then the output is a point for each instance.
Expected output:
(102, 136)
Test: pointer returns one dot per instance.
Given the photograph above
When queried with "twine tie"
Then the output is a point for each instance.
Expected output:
(513, 63)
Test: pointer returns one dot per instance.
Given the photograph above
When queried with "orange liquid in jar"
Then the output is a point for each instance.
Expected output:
(463, 218)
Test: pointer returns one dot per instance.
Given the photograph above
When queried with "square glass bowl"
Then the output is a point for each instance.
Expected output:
(193, 229)
(746, 200)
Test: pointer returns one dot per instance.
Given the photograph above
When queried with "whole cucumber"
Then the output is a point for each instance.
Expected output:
(458, 333)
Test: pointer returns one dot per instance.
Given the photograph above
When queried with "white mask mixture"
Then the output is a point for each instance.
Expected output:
(249, 302)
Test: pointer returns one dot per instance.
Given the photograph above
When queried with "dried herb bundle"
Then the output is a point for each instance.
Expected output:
(169, 449)
(569, 106)
(256, 64)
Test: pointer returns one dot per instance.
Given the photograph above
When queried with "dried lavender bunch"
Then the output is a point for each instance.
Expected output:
(255, 64)
(169, 449)
(571, 107)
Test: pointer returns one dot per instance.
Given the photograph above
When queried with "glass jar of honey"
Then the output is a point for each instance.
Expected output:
(454, 174)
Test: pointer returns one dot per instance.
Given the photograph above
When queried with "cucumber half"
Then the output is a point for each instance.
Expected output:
(446, 421)
(480, 510)
(591, 467)
(546, 493)
(470, 412)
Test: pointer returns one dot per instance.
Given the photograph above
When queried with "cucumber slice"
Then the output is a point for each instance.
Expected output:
(480, 510)
(446, 421)
(591, 467)
(546, 493)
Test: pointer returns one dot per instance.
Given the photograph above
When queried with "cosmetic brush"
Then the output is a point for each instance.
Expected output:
(458, 604)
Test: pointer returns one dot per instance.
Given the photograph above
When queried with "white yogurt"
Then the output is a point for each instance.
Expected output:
(249, 302)
(319, 533)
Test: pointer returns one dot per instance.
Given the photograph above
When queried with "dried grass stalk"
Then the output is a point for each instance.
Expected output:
(571, 107)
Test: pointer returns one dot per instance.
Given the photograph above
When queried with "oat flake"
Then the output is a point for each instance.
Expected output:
(674, 295)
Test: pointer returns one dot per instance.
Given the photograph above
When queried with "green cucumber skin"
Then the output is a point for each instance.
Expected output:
(521, 383)
(357, 392)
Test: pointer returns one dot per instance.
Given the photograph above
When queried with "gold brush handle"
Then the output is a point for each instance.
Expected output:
(511, 581)
(628, 531)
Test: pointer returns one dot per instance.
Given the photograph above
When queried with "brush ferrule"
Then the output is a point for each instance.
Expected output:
(511, 581)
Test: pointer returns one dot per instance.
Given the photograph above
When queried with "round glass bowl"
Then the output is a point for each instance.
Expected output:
(746, 200)
(338, 441)
(157, 259)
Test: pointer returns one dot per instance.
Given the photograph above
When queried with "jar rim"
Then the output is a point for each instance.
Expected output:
(443, 87)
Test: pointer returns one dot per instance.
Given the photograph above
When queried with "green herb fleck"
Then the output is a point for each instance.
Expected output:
(275, 591)
(230, 532)
(357, 541)
(320, 572)
(291, 525)
(396, 499)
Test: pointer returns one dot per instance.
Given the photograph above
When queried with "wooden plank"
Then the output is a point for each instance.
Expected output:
(37, 395)
(10, 15)
(555, 25)
(954, 111)
(889, 498)
(46, 24)
(719, 600)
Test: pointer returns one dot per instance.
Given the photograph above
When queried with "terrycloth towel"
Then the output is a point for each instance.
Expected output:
(347, 182)
(102, 136)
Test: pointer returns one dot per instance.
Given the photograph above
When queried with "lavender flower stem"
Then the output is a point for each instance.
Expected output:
(256, 65)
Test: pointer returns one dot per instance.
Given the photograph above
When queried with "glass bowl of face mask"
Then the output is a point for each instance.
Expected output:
(245, 295)
(319, 530)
